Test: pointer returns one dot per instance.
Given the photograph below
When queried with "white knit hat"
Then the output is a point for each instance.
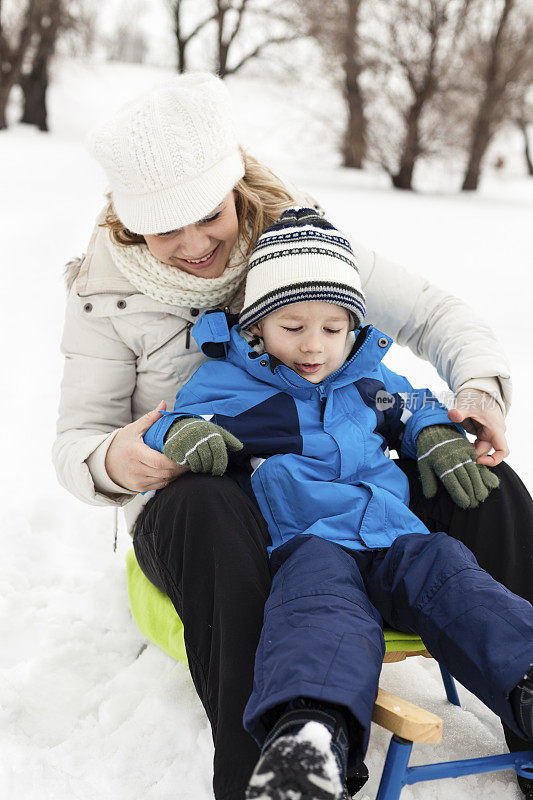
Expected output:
(301, 257)
(171, 156)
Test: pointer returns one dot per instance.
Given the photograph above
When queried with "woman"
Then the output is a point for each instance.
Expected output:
(185, 209)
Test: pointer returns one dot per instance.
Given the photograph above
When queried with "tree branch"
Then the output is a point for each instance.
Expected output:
(176, 7)
(257, 50)
(238, 22)
(199, 27)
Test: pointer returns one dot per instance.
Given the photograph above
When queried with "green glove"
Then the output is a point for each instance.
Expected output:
(445, 454)
(200, 445)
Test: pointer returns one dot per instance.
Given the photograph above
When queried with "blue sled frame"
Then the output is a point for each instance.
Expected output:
(397, 774)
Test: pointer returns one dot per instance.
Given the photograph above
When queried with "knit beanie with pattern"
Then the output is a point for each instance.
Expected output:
(301, 257)
(171, 156)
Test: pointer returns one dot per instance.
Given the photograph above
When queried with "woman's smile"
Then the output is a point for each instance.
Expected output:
(199, 263)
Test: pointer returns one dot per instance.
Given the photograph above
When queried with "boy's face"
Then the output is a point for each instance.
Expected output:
(309, 337)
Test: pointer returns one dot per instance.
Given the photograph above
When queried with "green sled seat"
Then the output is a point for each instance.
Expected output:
(153, 611)
(159, 622)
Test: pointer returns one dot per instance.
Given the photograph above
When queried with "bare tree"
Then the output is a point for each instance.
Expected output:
(421, 54)
(335, 27)
(13, 50)
(507, 68)
(400, 53)
(223, 10)
(423, 83)
(230, 16)
(182, 39)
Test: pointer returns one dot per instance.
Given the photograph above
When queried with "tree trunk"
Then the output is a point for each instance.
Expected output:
(527, 154)
(482, 131)
(222, 45)
(354, 142)
(183, 41)
(180, 43)
(480, 141)
(182, 61)
(4, 95)
(12, 60)
(34, 87)
(403, 179)
(222, 68)
(3, 61)
(9, 79)
(527, 151)
(35, 84)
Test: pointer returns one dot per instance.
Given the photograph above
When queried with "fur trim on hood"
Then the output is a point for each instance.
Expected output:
(72, 269)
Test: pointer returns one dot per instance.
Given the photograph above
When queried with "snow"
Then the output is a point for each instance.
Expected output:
(87, 709)
(319, 736)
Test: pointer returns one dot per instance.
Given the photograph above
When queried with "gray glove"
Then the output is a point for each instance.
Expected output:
(445, 454)
(200, 445)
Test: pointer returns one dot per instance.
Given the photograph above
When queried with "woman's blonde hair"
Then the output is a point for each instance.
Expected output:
(260, 197)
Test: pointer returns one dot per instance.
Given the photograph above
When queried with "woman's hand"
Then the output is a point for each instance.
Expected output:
(480, 414)
(132, 464)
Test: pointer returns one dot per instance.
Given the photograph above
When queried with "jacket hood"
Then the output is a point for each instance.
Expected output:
(216, 339)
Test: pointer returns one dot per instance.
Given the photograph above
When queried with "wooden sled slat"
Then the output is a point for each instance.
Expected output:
(405, 719)
(391, 656)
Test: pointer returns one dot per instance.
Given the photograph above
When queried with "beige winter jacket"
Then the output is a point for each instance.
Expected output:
(125, 352)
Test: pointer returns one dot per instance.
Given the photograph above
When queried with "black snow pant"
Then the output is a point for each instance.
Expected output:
(202, 541)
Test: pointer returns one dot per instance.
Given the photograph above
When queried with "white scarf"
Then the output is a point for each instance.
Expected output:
(173, 286)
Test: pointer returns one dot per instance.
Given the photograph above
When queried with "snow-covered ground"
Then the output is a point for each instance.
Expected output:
(86, 710)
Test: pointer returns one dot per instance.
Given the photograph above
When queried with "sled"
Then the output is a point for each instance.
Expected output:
(158, 621)
(409, 724)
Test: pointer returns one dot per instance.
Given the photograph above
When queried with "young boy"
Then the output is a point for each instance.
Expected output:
(297, 395)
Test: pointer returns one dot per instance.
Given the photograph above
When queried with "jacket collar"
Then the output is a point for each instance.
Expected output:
(98, 274)
(216, 340)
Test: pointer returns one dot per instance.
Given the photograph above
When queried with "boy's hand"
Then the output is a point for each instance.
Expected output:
(443, 453)
(480, 414)
(200, 445)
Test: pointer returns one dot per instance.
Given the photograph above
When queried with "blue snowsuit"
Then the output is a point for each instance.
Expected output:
(346, 551)
(315, 457)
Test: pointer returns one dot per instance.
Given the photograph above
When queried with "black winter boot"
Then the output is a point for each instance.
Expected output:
(304, 757)
(356, 779)
(521, 698)
(526, 785)
(516, 745)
